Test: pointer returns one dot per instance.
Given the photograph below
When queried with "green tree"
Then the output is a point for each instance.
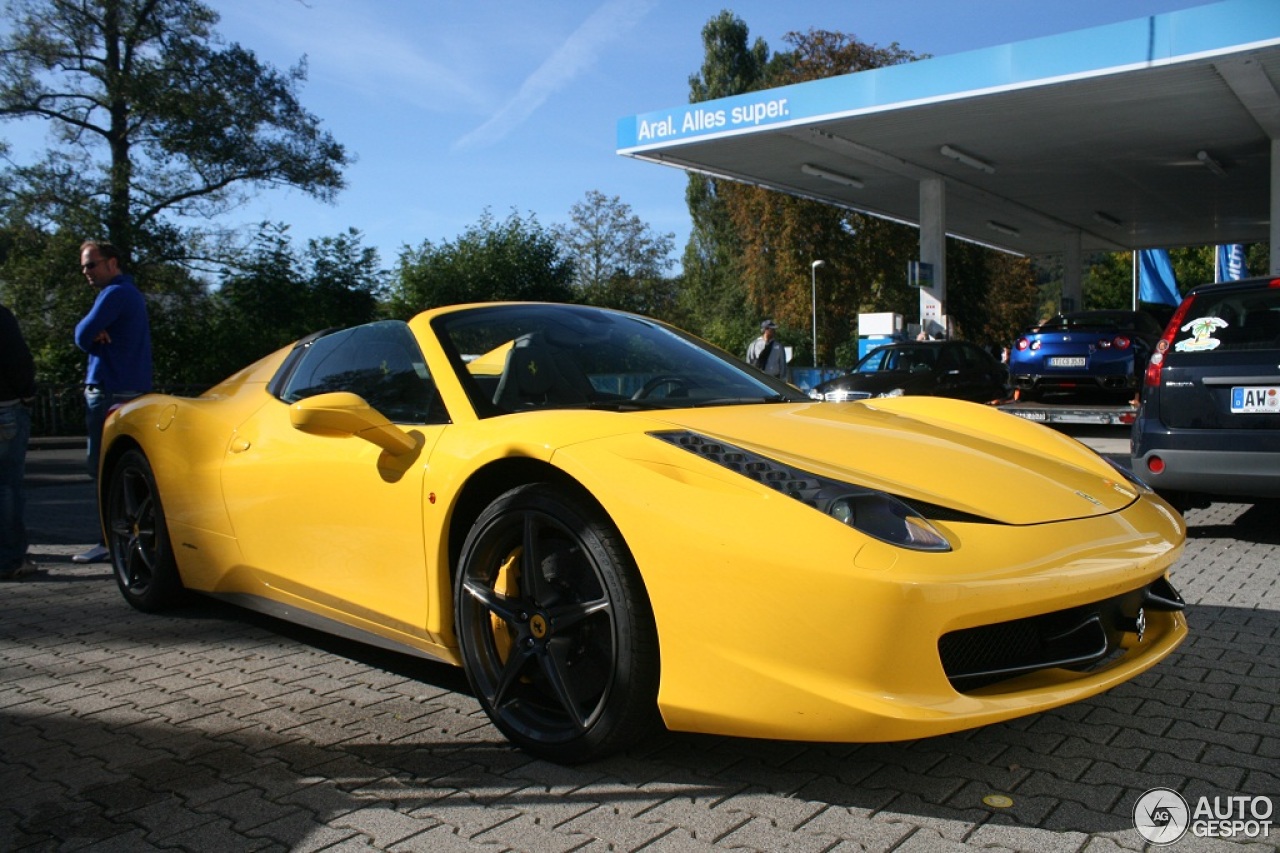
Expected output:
(1108, 281)
(183, 315)
(991, 296)
(345, 282)
(516, 259)
(619, 261)
(41, 282)
(262, 304)
(155, 123)
(712, 298)
(774, 238)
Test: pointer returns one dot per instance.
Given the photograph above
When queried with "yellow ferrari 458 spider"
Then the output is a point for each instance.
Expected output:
(609, 524)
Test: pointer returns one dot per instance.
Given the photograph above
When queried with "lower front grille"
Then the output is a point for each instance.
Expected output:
(1077, 638)
(845, 396)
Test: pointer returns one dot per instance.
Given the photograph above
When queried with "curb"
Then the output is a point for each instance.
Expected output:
(57, 442)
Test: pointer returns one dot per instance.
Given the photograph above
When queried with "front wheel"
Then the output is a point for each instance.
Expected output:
(138, 538)
(555, 628)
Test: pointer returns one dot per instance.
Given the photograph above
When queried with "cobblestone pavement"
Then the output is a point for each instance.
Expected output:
(215, 729)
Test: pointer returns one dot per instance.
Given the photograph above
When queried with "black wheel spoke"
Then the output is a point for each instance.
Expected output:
(512, 672)
(135, 493)
(564, 618)
(506, 609)
(531, 577)
(555, 669)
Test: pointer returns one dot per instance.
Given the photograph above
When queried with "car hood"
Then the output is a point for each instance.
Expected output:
(964, 456)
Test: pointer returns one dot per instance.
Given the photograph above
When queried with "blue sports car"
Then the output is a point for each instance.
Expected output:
(1085, 351)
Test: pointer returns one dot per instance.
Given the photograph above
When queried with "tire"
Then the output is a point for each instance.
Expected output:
(554, 627)
(138, 538)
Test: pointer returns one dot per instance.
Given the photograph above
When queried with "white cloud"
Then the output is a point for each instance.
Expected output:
(382, 53)
(576, 55)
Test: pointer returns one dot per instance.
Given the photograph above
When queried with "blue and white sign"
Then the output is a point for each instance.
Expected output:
(1141, 43)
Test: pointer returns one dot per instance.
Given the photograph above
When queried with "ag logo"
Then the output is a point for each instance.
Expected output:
(1161, 816)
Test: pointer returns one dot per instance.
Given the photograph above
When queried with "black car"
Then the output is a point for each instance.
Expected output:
(1208, 426)
(931, 368)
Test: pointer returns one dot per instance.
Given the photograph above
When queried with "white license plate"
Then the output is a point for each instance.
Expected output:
(1255, 399)
(1066, 361)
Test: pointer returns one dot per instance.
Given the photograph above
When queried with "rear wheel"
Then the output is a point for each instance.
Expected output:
(138, 538)
(555, 628)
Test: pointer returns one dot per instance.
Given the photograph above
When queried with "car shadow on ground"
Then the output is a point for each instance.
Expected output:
(1076, 769)
(118, 724)
(1256, 524)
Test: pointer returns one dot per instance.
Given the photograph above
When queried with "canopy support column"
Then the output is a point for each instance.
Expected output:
(933, 251)
(1275, 207)
(1072, 273)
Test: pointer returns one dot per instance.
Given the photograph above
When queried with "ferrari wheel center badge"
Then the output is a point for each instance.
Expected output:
(538, 626)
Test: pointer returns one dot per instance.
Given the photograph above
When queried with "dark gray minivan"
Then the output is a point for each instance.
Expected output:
(1208, 427)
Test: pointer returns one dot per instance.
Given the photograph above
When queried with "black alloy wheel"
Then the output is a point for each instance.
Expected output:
(555, 628)
(138, 539)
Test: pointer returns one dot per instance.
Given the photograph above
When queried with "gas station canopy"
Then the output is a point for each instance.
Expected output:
(1151, 133)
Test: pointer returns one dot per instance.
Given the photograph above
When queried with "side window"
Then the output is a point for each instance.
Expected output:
(380, 362)
(973, 358)
(874, 362)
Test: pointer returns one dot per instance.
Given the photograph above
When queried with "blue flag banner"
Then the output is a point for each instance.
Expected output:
(1156, 283)
(1230, 263)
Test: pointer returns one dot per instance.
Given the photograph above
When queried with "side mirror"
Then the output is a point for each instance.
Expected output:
(342, 413)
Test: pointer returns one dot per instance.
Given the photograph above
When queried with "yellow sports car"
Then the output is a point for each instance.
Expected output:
(609, 523)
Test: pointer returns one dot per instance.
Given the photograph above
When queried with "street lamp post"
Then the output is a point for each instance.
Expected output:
(813, 275)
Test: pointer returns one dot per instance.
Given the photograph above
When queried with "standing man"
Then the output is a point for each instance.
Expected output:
(117, 336)
(767, 353)
(17, 388)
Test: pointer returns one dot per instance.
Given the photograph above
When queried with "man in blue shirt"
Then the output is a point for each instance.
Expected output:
(117, 336)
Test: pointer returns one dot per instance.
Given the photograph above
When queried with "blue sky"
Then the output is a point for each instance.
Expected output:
(453, 107)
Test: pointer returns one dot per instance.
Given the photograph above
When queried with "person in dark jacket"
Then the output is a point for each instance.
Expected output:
(767, 352)
(17, 388)
(117, 336)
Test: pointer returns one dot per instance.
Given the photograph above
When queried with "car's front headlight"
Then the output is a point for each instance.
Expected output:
(872, 512)
(896, 392)
(887, 519)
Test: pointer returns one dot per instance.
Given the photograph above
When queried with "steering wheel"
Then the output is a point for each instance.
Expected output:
(676, 383)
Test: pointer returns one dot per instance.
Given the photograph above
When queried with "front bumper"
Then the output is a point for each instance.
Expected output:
(788, 635)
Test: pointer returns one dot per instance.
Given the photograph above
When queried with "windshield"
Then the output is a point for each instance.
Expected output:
(525, 357)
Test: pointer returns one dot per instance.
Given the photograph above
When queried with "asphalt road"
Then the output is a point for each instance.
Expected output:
(214, 729)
